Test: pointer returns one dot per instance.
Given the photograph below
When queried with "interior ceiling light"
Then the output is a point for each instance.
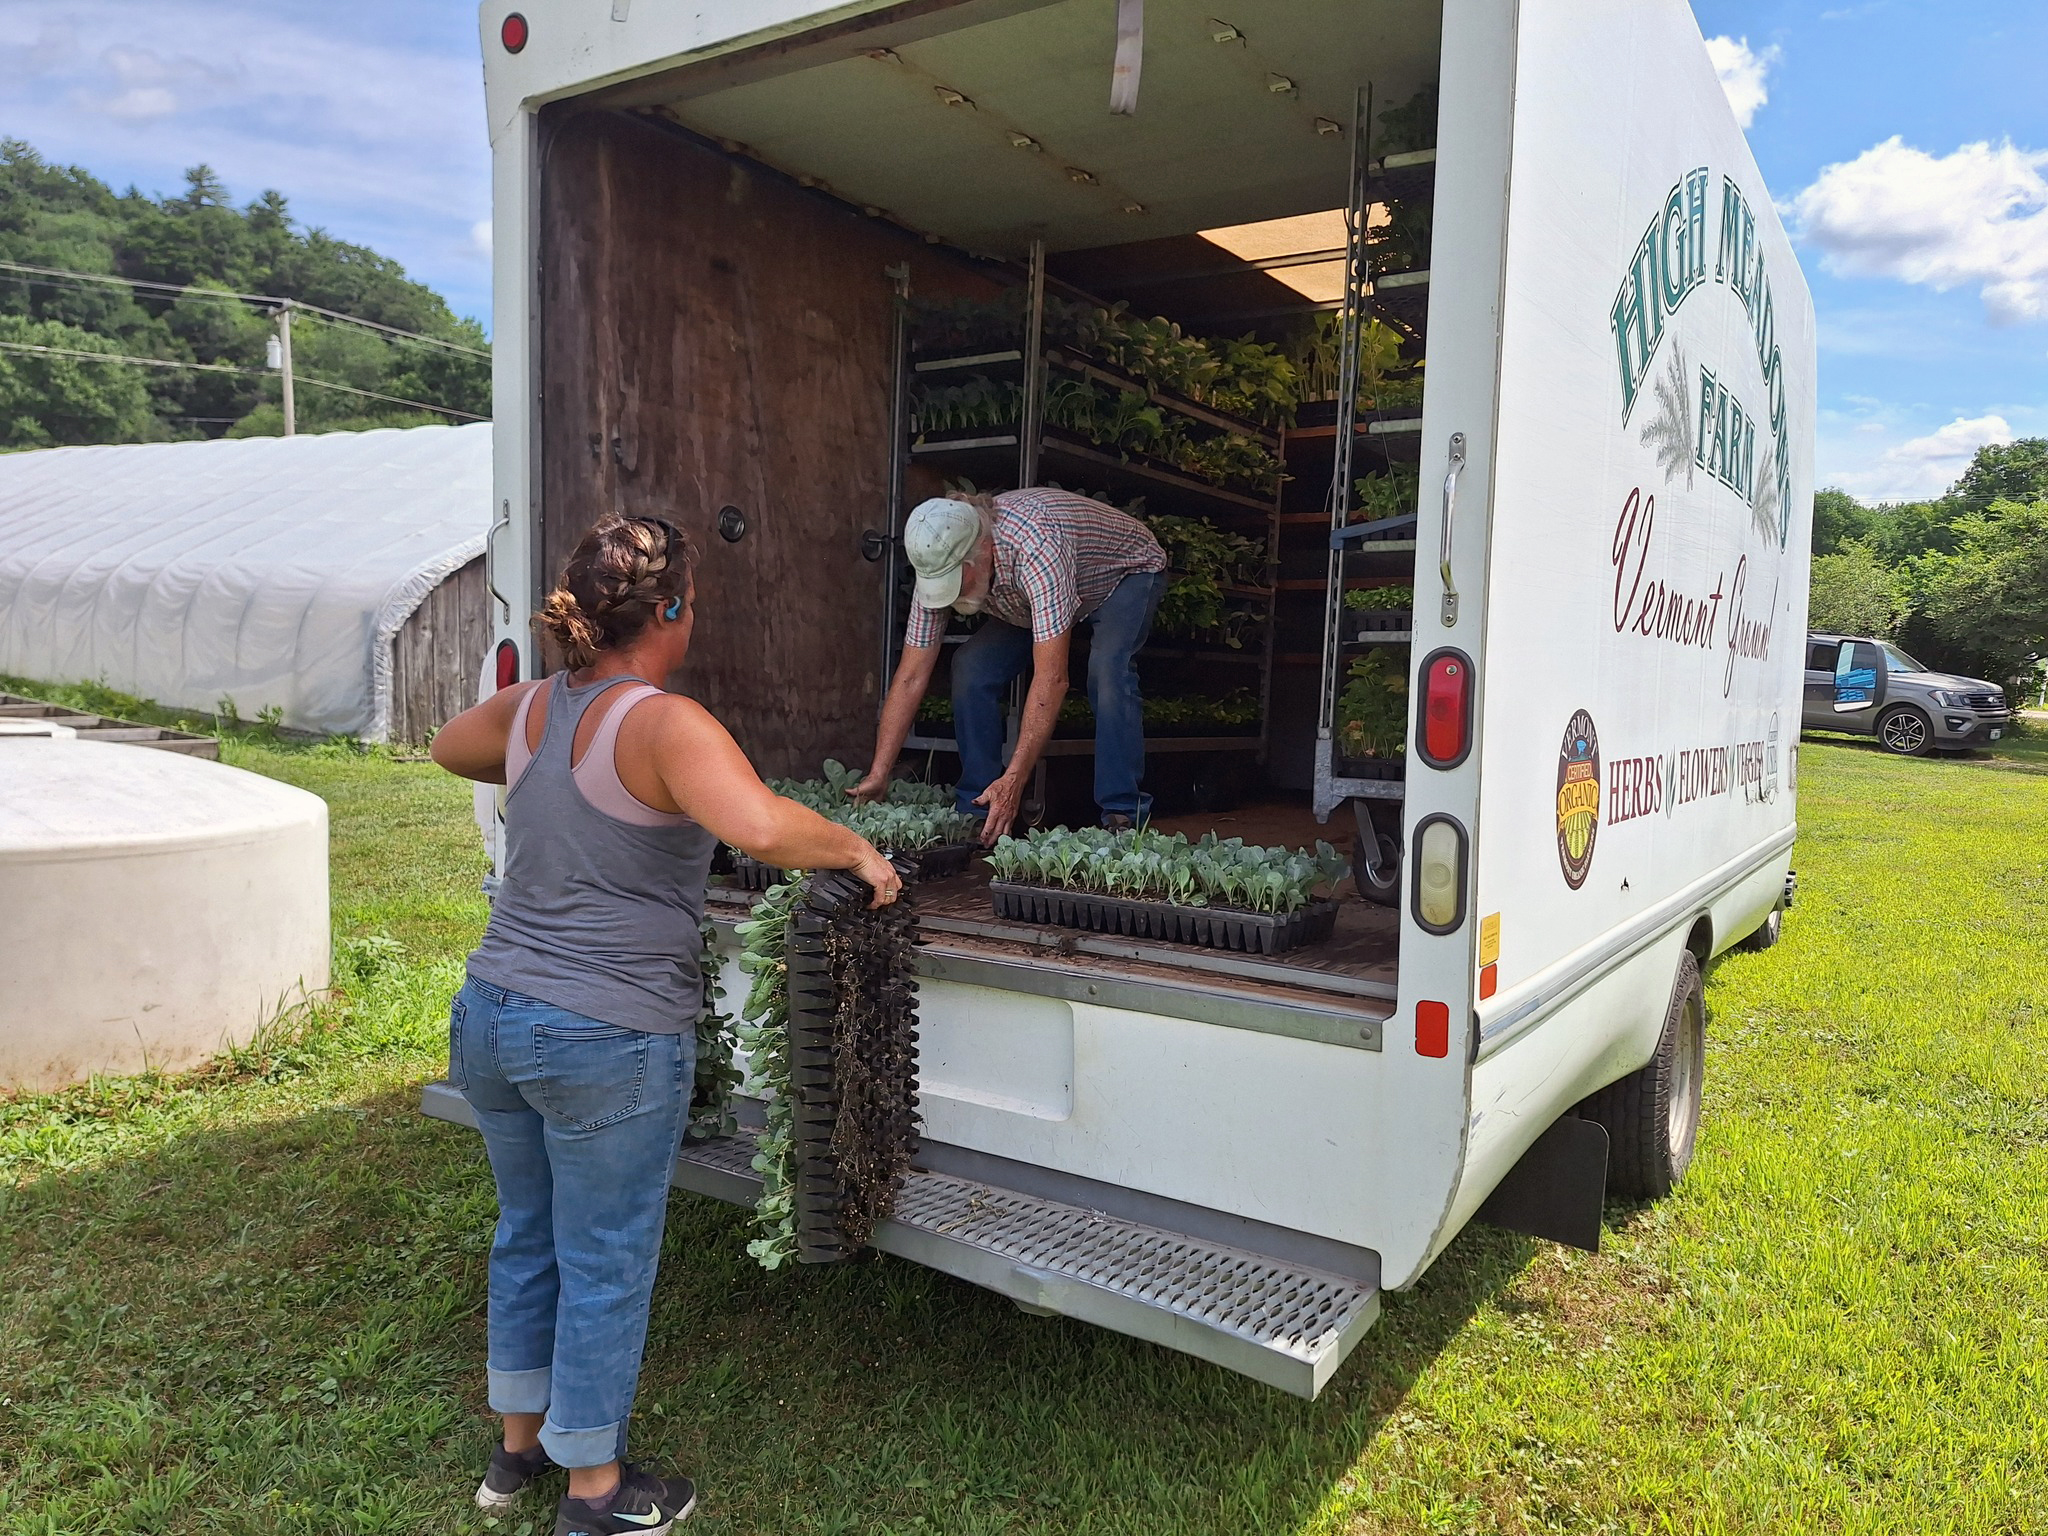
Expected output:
(1224, 32)
(1279, 85)
(1025, 141)
(1134, 207)
(952, 98)
(1080, 177)
(1328, 128)
(884, 55)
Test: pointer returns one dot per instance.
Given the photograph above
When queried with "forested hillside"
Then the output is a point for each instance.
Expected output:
(1961, 581)
(63, 217)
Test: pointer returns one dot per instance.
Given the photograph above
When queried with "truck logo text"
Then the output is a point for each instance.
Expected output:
(1668, 266)
(1645, 605)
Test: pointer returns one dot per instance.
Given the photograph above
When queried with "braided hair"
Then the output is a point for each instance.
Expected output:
(623, 572)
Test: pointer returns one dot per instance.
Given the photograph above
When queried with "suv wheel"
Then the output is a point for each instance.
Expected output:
(1905, 732)
(1652, 1116)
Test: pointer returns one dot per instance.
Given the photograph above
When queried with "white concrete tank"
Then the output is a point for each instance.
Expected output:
(154, 908)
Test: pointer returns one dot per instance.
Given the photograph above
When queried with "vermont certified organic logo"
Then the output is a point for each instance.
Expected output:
(1578, 798)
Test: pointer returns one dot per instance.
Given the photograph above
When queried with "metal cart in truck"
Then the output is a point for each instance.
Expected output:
(718, 230)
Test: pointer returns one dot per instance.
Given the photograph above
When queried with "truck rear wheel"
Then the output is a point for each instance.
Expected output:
(1767, 933)
(1652, 1116)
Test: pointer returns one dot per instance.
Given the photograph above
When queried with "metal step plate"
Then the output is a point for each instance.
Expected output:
(1285, 1325)
(1281, 1323)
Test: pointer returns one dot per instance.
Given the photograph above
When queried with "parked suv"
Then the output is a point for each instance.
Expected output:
(1872, 687)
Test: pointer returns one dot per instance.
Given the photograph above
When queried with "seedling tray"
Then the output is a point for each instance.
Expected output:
(1380, 620)
(1255, 933)
(852, 1061)
(1372, 768)
(933, 864)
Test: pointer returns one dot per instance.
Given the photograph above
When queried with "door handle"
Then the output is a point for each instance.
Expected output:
(1449, 612)
(490, 563)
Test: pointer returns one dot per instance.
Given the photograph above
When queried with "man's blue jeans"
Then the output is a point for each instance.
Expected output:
(997, 652)
(581, 1121)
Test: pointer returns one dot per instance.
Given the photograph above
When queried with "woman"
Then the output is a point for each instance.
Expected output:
(573, 1036)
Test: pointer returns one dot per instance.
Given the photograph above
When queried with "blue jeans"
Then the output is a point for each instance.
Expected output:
(996, 653)
(581, 1121)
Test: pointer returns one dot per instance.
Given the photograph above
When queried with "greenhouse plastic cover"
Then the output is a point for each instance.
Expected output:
(269, 571)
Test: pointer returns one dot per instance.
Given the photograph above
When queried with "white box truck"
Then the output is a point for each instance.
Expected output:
(713, 227)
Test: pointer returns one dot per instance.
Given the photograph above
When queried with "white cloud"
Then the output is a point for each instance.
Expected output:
(148, 84)
(139, 103)
(480, 235)
(1911, 470)
(1974, 218)
(1742, 72)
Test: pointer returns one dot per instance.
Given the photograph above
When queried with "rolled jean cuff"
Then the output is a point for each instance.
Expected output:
(582, 1447)
(520, 1391)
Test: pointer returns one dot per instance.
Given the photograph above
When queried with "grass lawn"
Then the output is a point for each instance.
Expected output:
(250, 1300)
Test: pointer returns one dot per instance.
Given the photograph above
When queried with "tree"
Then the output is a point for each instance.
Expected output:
(1852, 592)
(63, 217)
(1839, 517)
(1984, 609)
(2016, 471)
(50, 401)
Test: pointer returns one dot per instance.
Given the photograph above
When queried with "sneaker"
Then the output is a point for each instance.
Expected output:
(1116, 821)
(510, 1472)
(642, 1504)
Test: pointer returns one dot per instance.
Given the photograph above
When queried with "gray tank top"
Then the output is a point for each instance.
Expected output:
(602, 898)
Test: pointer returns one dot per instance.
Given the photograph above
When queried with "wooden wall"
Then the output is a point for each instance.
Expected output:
(713, 335)
(436, 657)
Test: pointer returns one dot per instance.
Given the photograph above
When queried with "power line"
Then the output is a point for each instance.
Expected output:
(161, 362)
(227, 296)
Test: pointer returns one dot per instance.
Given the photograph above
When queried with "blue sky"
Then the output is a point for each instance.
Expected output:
(1906, 140)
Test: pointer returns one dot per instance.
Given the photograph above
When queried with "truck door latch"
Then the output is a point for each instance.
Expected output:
(1457, 466)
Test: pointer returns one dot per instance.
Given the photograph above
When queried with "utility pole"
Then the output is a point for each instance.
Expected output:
(283, 364)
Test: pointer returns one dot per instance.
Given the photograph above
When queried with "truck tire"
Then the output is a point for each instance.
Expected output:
(1767, 932)
(1905, 732)
(1652, 1116)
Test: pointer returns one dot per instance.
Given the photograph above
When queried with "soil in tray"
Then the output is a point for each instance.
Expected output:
(1259, 933)
(932, 864)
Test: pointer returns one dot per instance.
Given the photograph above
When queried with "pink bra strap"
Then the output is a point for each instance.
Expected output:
(517, 753)
(597, 775)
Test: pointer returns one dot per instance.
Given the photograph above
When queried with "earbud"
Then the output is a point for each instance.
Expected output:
(674, 610)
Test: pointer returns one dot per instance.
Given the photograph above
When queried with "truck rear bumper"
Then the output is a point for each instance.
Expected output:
(1281, 1322)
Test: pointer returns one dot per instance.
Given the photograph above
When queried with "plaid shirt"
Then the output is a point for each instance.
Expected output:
(1058, 556)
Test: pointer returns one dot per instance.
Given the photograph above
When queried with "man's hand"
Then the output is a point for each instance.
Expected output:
(1002, 799)
(874, 787)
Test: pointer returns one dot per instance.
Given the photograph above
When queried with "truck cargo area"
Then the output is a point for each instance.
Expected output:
(779, 289)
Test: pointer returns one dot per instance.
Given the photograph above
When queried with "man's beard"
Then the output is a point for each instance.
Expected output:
(967, 606)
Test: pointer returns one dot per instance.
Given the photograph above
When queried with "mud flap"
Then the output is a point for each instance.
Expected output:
(1559, 1187)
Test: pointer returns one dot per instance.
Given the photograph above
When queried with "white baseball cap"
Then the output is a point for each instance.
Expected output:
(939, 536)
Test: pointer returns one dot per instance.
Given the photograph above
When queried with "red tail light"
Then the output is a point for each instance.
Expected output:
(513, 33)
(1432, 1029)
(508, 663)
(1446, 709)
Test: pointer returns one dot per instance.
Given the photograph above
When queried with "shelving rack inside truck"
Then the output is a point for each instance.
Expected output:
(728, 239)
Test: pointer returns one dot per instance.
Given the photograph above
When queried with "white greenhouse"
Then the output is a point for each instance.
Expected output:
(337, 577)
